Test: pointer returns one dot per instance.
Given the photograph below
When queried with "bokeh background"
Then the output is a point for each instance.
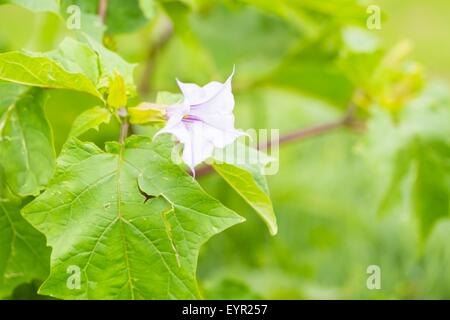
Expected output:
(344, 199)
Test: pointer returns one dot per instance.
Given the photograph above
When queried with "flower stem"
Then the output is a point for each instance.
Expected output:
(102, 9)
(123, 117)
(124, 129)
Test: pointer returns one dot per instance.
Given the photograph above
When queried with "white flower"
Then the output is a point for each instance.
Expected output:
(203, 120)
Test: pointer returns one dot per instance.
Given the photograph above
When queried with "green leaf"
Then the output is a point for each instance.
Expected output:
(148, 7)
(125, 16)
(424, 168)
(35, 5)
(413, 151)
(311, 16)
(26, 143)
(26, 165)
(9, 93)
(432, 186)
(86, 6)
(246, 177)
(147, 113)
(23, 252)
(153, 113)
(90, 119)
(248, 28)
(121, 16)
(129, 219)
(110, 63)
(77, 57)
(41, 71)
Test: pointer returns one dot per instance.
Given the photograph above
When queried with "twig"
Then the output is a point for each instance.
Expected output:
(124, 128)
(144, 85)
(304, 133)
(102, 9)
(347, 121)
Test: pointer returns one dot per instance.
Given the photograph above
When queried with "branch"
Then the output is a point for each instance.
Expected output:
(124, 128)
(304, 133)
(347, 121)
(102, 9)
(144, 86)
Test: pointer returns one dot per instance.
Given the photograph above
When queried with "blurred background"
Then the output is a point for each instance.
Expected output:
(371, 194)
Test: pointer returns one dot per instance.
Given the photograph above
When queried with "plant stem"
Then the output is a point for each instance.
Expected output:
(347, 121)
(124, 129)
(102, 9)
(124, 124)
(304, 133)
(166, 34)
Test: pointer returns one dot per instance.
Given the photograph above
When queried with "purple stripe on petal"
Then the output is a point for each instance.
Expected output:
(191, 118)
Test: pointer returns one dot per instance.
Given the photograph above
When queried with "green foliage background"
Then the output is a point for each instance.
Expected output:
(345, 199)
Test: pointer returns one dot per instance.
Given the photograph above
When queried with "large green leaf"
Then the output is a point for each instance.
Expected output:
(42, 71)
(129, 219)
(26, 143)
(23, 253)
(26, 165)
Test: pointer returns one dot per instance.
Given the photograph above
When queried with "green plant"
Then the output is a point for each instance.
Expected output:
(109, 215)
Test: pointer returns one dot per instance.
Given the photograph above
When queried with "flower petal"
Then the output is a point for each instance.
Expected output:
(176, 127)
(219, 137)
(217, 111)
(196, 95)
(203, 121)
(177, 108)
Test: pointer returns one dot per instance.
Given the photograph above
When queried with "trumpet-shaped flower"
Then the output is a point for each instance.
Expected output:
(203, 121)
